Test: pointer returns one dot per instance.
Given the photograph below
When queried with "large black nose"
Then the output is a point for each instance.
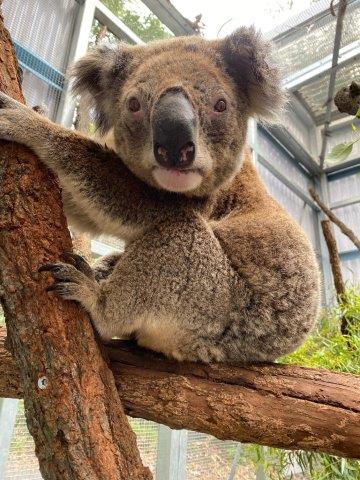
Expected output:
(174, 130)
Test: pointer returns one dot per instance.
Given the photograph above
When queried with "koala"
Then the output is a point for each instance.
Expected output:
(214, 269)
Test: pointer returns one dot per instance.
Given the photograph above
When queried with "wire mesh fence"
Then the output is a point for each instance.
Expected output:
(210, 458)
(22, 464)
(41, 31)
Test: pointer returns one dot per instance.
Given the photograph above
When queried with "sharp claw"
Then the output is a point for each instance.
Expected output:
(74, 259)
(48, 267)
(51, 287)
(78, 262)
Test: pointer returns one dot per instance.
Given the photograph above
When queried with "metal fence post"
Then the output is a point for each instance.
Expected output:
(78, 47)
(8, 409)
(171, 456)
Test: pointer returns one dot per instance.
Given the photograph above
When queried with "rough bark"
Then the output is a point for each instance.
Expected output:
(336, 269)
(329, 213)
(334, 257)
(71, 402)
(280, 405)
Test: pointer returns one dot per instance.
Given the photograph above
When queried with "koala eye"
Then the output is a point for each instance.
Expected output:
(220, 105)
(134, 105)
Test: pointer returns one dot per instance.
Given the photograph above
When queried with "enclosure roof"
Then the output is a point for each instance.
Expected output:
(305, 45)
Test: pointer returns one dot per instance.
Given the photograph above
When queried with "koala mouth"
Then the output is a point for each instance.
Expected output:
(176, 180)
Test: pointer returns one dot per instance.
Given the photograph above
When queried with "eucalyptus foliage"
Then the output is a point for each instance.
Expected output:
(325, 348)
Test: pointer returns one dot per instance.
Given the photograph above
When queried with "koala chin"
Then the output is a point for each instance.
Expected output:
(214, 269)
(177, 181)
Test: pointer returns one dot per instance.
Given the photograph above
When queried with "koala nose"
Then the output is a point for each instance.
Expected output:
(174, 131)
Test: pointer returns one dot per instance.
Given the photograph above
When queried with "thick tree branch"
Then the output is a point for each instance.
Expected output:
(279, 405)
(72, 405)
(329, 213)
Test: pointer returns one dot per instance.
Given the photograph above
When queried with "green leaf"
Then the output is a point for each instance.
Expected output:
(357, 115)
(340, 152)
(353, 127)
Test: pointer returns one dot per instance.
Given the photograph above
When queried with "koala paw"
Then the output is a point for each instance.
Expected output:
(8, 102)
(73, 282)
(14, 119)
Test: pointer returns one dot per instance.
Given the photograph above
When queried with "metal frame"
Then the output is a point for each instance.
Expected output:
(114, 24)
(319, 69)
(334, 65)
(171, 17)
(171, 454)
(297, 151)
(307, 17)
(79, 44)
(345, 203)
(39, 67)
(349, 254)
(8, 410)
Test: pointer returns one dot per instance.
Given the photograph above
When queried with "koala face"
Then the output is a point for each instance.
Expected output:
(176, 111)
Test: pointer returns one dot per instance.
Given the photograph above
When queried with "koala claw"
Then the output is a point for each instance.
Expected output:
(79, 263)
(70, 283)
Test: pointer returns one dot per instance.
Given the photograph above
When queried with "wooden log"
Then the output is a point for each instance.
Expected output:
(72, 406)
(279, 405)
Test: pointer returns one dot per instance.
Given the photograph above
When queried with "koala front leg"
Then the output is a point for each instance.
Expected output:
(75, 281)
(100, 183)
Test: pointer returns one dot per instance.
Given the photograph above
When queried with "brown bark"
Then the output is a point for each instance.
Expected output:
(336, 269)
(334, 257)
(280, 405)
(329, 213)
(73, 412)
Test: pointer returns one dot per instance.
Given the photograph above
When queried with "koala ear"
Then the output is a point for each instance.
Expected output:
(99, 74)
(247, 58)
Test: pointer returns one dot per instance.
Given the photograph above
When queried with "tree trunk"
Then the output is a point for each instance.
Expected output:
(71, 402)
(334, 258)
(278, 405)
(336, 270)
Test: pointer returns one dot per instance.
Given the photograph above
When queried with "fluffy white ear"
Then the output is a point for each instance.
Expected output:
(248, 60)
(97, 75)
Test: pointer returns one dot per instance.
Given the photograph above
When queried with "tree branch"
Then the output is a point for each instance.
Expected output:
(279, 405)
(345, 230)
(71, 402)
(334, 257)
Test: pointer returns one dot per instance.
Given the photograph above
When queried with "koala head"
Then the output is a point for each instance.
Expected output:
(176, 111)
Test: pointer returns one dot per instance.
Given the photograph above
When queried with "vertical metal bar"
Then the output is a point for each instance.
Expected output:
(260, 473)
(337, 41)
(171, 454)
(8, 409)
(79, 43)
(235, 462)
